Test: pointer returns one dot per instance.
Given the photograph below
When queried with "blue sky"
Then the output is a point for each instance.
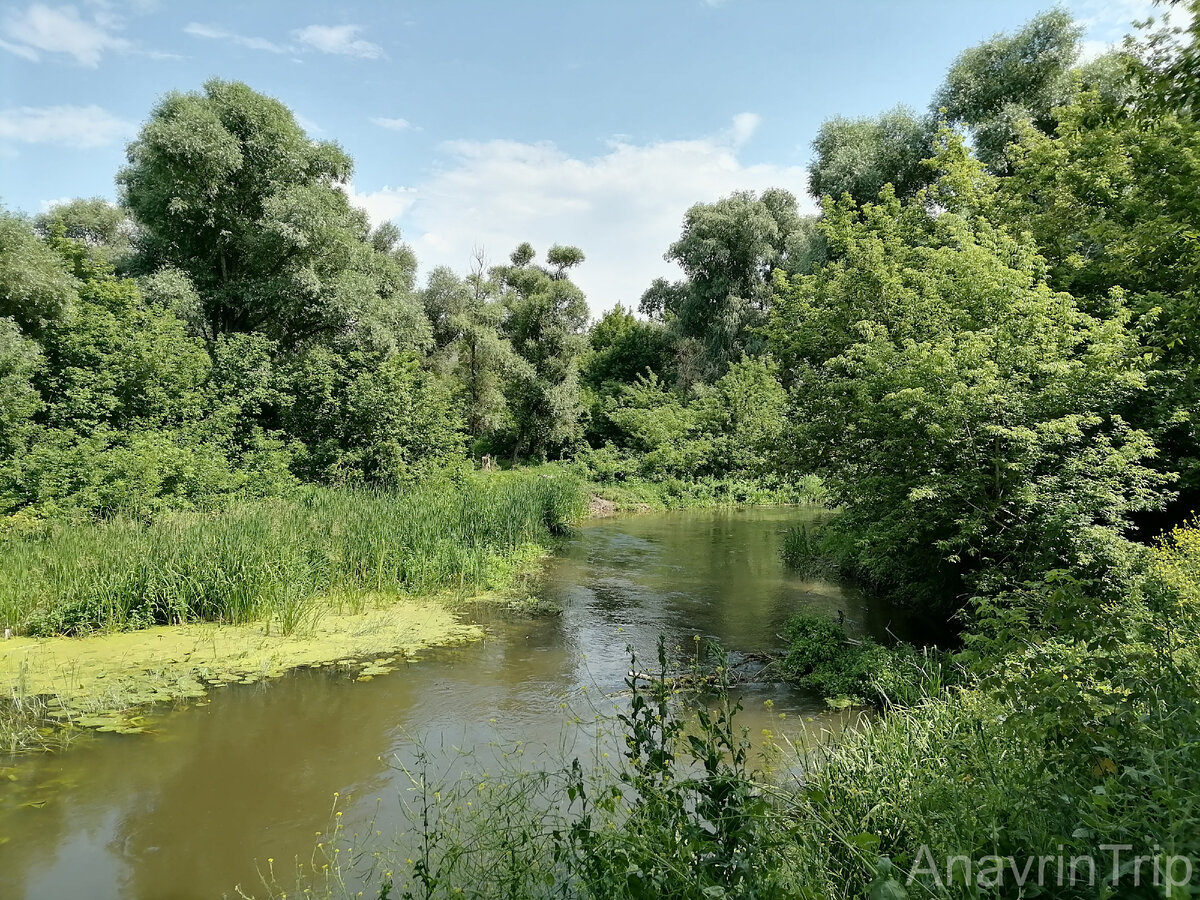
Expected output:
(480, 123)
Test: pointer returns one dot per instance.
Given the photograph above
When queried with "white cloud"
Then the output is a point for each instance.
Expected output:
(340, 39)
(392, 124)
(42, 29)
(383, 205)
(308, 124)
(623, 207)
(196, 29)
(1106, 22)
(74, 126)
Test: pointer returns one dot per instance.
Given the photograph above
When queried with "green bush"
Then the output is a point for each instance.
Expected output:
(822, 658)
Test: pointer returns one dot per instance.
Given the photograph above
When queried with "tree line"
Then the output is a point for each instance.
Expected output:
(984, 343)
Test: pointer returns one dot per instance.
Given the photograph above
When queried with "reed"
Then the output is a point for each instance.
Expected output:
(271, 559)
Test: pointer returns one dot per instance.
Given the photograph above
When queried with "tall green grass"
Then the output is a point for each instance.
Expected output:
(270, 559)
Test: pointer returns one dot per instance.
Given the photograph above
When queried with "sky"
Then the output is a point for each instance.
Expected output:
(478, 124)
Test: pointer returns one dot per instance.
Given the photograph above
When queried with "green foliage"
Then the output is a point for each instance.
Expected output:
(36, 288)
(1081, 734)
(466, 315)
(727, 251)
(383, 421)
(20, 361)
(728, 429)
(822, 658)
(546, 318)
(105, 230)
(1009, 80)
(624, 347)
(804, 554)
(859, 156)
(112, 409)
(228, 189)
(1110, 199)
(264, 559)
(965, 415)
(1170, 58)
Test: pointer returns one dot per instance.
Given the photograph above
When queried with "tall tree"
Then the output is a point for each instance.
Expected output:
(727, 251)
(547, 315)
(1011, 79)
(965, 414)
(228, 189)
(37, 290)
(859, 156)
(466, 314)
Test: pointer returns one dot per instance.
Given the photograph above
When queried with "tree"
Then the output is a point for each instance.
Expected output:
(466, 314)
(546, 318)
(727, 251)
(1169, 63)
(114, 407)
(36, 287)
(228, 189)
(964, 414)
(1110, 199)
(743, 414)
(1011, 79)
(622, 347)
(20, 361)
(371, 419)
(95, 223)
(859, 156)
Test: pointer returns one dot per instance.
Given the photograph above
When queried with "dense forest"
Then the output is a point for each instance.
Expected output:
(985, 346)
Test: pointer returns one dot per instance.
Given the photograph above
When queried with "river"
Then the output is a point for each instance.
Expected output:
(197, 807)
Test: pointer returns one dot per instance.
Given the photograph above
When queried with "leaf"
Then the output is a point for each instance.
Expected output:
(890, 889)
(865, 841)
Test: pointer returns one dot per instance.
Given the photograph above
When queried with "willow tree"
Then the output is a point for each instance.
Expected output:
(227, 188)
(545, 323)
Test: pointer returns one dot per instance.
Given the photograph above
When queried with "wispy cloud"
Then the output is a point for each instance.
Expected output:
(393, 124)
(210, 32)
(72, 126)
(44, 29)
(339, 39)
(309, 125)
(383, 205)
(623, 206)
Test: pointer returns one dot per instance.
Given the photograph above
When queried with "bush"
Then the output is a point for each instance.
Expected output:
(822, 658)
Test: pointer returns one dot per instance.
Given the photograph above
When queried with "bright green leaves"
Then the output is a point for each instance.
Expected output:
(966, 415)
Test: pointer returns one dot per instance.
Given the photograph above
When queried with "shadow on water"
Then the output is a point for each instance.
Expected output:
(195, 808)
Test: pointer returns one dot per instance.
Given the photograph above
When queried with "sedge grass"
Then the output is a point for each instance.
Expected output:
(269, 560)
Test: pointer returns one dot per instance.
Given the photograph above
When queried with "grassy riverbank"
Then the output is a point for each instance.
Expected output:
(272, 560)
(109, 616)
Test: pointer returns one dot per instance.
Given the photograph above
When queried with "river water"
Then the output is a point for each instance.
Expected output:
(197, 807)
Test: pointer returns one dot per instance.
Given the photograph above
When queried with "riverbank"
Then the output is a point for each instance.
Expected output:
(109, 617)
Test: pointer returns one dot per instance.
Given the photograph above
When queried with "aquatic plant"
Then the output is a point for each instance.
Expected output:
(271, 559)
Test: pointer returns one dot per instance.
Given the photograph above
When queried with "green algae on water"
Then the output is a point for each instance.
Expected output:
(95, 681)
